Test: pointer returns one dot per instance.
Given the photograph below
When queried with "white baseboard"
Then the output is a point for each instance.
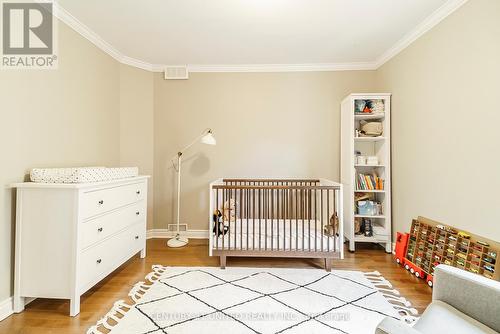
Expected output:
(162, 233)
(6, 308)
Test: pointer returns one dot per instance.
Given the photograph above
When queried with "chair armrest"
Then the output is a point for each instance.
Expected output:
(393, 326)
(472, 294)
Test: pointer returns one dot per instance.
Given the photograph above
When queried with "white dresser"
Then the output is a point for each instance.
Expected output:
(71, 236)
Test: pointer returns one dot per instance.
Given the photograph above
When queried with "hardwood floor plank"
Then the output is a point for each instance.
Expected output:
(51, 316)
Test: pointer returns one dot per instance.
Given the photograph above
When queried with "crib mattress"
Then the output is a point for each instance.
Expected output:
(276, 234)
(81, 174)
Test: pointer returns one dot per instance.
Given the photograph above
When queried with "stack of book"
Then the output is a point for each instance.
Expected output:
(369, 182)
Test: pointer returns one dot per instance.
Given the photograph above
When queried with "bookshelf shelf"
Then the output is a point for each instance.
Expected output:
(369, 116)
(369, 216)
(369, 138)
(375, 239)
(368, 166)
(369, 191)
(376, 178)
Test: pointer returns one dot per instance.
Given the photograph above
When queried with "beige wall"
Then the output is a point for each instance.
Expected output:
(266, 125)
(62, 117)
(93, 111)
(445, 122)
(136, 124)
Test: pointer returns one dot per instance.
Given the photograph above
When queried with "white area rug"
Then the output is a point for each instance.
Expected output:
(255, 300)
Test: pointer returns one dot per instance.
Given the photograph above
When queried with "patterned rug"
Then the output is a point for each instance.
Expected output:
(255, 300)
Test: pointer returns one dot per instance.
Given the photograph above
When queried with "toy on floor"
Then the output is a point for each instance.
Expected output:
(401, 246)
(400, 254)
(429, 243)
(332, 228)
(219, 227)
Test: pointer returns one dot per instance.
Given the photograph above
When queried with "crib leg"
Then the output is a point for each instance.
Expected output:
(328, 264)
(222, 261)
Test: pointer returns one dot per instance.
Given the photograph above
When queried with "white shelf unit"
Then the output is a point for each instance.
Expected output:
(369, 146)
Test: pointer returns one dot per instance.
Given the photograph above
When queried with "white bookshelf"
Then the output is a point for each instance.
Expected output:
(368, 146)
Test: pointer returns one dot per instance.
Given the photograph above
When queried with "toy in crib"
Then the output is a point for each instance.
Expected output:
(229, 209)
(332, 227)
(219, 227)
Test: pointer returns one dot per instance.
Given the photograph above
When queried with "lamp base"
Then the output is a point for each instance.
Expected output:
(177, 242)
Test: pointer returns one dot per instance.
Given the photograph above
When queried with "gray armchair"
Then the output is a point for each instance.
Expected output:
(462, 303)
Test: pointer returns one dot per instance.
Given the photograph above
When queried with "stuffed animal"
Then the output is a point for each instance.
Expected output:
(219, 227)
(229, 209)
(332, 228)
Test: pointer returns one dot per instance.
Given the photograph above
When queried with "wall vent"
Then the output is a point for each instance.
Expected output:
(176, 73)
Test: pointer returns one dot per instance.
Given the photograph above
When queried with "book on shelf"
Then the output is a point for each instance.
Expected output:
(369, 182)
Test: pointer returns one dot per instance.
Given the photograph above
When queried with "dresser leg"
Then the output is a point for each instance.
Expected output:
(74, 306)
(18, 304)
(143, 253)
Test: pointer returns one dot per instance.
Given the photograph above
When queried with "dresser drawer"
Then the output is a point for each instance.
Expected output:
(97, 229)
(100, 260)
(102, 200)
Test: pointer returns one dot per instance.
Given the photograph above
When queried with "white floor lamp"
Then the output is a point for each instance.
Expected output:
(206, 137)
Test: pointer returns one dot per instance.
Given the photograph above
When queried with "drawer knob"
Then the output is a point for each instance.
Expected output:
(99, 229)
(101, 202)
(138, 192)
(137, 213)
(99, 261)
(136, 237)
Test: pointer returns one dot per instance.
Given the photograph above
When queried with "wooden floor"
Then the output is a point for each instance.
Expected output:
(51, 316)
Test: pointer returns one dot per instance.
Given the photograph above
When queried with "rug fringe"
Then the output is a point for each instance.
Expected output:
(400, 304)
(121, 307)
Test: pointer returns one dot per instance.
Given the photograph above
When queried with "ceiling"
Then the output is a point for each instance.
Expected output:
(239, 33)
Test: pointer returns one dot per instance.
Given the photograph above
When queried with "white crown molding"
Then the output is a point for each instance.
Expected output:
(437, 16)
(283, 67)
(85, 31)
(430, 22)
(165, 234)
(137, 63)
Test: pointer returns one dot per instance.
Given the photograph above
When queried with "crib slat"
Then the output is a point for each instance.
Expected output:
(334, 227)
(253, 217)
(217, 220)
(296, 222)
(328, 216)
(289, 217)
(228, 221)
(303, 209)
(321, 212)
(266, 213)
(241, 217)
(309, 218)
(315, 220)
(278, 217)
(283, 216)
(271, 194)
(260, 220)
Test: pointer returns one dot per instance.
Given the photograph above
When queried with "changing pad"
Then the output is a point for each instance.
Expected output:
(81, 174)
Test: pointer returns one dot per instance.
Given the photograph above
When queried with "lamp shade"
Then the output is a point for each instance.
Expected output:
(209, 139)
